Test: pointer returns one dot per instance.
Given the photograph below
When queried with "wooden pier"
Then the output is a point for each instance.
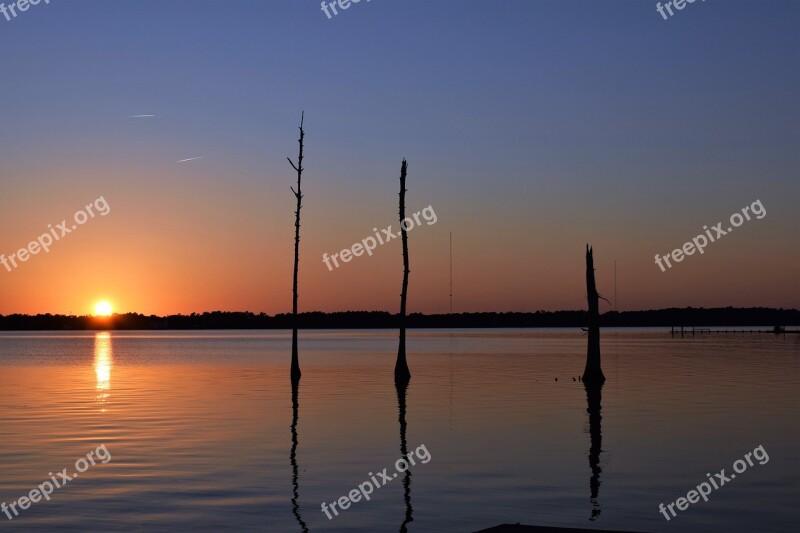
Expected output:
(517, 528)
(683, 330)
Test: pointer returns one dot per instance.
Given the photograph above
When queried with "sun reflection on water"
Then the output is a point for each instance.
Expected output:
(103, 363)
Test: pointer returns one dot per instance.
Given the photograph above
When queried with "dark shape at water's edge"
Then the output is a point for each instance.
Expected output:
(593, 380)
(402, 375)
(293, 456)
(295, 372)
(402, 388)
(593, 372)
(517, 528)
(594, 398)
(230, 320)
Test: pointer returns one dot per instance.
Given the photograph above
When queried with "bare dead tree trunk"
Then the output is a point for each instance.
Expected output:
(593, 373)
(401, 371)
(299, 196)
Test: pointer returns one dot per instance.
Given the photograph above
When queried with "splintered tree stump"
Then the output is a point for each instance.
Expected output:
(593, 373)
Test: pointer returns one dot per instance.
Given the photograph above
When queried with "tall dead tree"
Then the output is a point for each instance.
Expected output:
(401, 371)
(593, 373)
(299, 196)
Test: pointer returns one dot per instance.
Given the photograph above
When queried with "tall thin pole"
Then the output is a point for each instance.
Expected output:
(616, 308)
(451, 272)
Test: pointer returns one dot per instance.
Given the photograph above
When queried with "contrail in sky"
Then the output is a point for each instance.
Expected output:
(141, 116)
(190, 159)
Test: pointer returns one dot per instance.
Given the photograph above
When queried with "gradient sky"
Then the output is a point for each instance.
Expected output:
(531, 127)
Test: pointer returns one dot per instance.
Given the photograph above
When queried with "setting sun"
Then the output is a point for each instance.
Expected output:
(102, 309)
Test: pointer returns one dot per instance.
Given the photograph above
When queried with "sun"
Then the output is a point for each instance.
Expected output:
(102, 309)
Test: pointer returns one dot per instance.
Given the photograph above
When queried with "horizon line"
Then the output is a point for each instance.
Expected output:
(262, 313)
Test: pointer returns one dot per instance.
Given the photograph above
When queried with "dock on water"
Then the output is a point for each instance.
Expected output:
(517, 528)
(685, 330)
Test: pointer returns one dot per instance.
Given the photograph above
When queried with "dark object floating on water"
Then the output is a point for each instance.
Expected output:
(517, 528)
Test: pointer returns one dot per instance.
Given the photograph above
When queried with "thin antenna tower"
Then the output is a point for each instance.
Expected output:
(616, 308)
(451, 272)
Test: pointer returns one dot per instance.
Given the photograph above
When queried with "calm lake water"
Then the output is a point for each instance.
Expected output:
(199, 429)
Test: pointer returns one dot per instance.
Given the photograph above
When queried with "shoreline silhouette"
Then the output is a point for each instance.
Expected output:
(766, 319)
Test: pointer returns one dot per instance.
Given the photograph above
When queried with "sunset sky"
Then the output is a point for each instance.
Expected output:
(530, 127)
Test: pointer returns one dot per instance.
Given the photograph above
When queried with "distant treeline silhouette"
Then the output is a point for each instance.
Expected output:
(688, 317)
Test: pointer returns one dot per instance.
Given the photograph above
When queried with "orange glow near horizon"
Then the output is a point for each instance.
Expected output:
(163, 264)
